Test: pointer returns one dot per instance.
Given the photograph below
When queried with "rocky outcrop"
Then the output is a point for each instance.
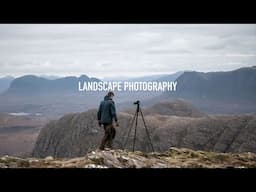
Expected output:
(173, 158)
(76, 134)
(178, 107)
(221, 133)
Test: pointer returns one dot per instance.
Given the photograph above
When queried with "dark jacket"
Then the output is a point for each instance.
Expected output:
(107, 111)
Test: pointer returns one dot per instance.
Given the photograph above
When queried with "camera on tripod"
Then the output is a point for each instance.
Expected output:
(135, 119)
(136, 102)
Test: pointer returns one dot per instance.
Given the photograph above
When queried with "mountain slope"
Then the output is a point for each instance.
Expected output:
(33, 85)
(178, 107)
(231, 92)
(50, 97)
(237, 84)
(5, 83)
(75, 134)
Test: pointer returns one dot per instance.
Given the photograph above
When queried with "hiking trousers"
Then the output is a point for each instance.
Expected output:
(109, 135)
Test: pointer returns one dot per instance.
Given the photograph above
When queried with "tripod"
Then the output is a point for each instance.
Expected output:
(135, 118)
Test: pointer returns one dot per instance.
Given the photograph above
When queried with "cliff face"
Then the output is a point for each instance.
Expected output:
(76, 134)
(70, 136)
(173, 158)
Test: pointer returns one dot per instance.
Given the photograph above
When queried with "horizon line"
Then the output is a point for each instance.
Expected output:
(56, 76)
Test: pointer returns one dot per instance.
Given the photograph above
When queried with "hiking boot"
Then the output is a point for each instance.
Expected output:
(101, 148)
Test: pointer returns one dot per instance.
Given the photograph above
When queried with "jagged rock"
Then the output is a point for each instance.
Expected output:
(49, 158)
(14, 162)
(173, 158)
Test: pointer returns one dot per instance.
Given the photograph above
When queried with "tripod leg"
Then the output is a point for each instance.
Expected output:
(129, 131)
(147, 130)
(134, 139)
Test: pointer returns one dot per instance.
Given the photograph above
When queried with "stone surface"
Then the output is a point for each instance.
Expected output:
(173, 158)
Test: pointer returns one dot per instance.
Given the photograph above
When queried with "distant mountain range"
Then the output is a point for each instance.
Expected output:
(50, 95)
(34, 85)
(232, 85)
(163, 77)
(217, 92)
(231, 92)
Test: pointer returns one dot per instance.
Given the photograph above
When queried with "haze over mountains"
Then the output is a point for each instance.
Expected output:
(239, 84)
(55, 97)
(161, 77)
(5, 83)
(232, 92)
(33, 85)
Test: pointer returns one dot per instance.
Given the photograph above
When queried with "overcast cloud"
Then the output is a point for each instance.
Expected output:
(108, 50)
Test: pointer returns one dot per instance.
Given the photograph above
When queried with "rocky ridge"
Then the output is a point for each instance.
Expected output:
(173, 158)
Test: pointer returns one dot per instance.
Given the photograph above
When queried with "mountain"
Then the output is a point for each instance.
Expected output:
(218, 92)
(161, 77)
(33, 85)
(5, 83)
(56, 97)
(232, 92)
(51, 98)
(172, 158)
(177, 107)
(171, 77)
(235, 85)
(51, 77)
(78, 133)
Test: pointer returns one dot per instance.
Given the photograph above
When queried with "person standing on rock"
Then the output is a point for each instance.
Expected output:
(106, 114)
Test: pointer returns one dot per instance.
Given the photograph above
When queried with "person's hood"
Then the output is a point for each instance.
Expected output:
(107, 98)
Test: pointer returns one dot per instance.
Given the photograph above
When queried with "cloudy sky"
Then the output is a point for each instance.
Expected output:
(118, 50)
